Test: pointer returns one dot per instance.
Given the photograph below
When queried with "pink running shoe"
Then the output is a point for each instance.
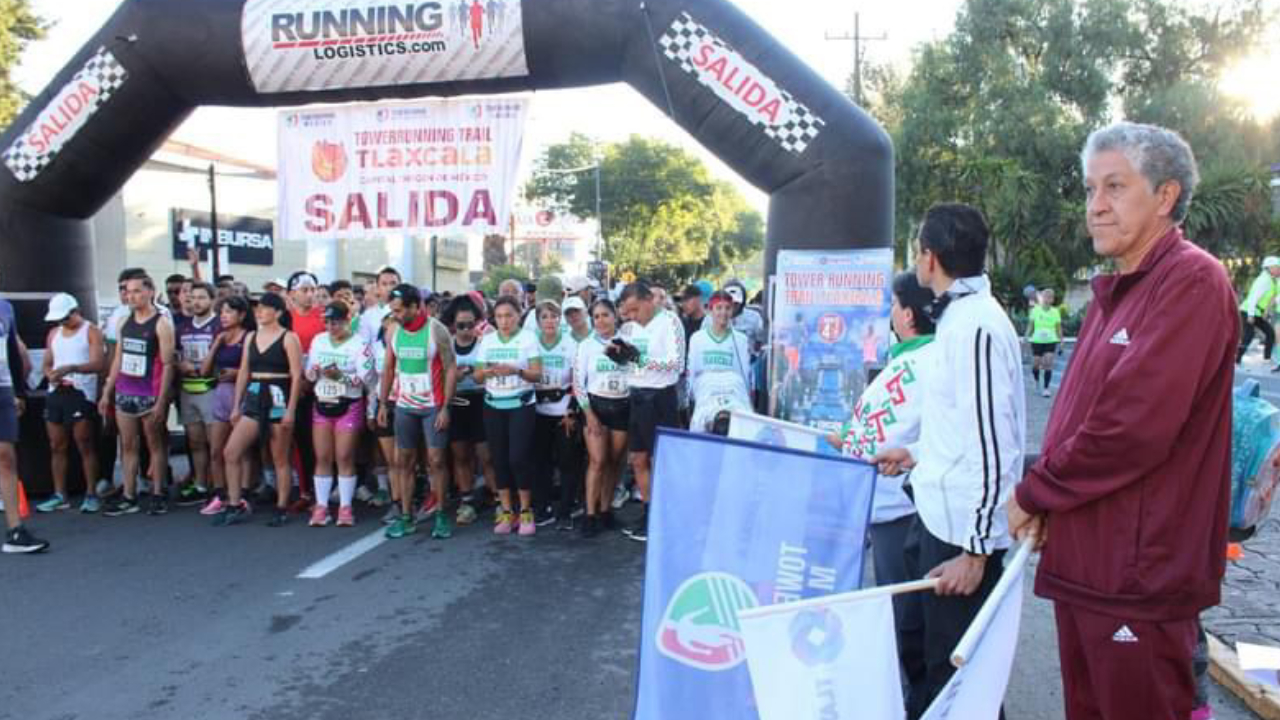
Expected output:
(213, 507)
(503, 522)
(346, 518)
(428, 508)
(319, 515)
(528, 525)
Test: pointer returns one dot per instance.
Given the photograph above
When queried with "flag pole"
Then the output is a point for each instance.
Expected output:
(848, 597)
(971, 637)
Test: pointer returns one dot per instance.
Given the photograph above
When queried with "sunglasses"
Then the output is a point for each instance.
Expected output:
(463, 325)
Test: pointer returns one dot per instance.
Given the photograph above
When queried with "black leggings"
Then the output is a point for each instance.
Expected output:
(510, 436)
(553, 449)
(1268, 336)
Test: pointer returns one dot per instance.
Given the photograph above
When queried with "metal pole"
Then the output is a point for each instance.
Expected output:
(435, 243)
(599, 220)
(213, 223)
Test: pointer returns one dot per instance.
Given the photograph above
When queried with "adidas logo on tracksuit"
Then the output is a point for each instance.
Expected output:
(1124, 635)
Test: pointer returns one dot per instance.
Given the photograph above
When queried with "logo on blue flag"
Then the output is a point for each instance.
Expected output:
(735, 525)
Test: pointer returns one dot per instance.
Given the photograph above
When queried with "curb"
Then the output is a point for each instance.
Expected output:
(1225, 668)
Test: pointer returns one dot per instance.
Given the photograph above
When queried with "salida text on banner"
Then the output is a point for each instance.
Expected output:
(411, 169)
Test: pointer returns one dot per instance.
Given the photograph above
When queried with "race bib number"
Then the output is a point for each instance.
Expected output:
(507, 382)
(195, 351)
(329, 390)
(418, 384)
(615, 385)
(133, 365)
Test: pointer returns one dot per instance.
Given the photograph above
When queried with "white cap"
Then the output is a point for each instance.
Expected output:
(576, 283)
(1270, 261)
(60, 306)
(273, 281)
(574, 303)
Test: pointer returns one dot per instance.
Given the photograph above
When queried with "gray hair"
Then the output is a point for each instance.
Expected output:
(509, 282)
(1159, 154)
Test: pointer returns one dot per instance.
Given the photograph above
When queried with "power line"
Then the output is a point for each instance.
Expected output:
(858, 38)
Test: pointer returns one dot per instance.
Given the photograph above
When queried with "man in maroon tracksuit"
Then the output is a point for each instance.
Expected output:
(1131, 493)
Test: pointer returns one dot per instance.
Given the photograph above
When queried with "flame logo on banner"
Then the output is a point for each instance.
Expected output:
(328, 161)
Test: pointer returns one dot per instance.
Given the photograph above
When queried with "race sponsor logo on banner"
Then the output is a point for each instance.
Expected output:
(65, 114)
(293, 45)
(740, 84)
(368, 170)
(817, 636)
(700, 628)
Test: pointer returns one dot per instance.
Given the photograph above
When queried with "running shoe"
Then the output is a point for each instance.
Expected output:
(279, 518)
(402, 527)
(319, 515)
(382, 498)
(1045, 393)
(608, 521)
(346, 518)
(301, 505)
(158, 504)
(20, 540)
(391, 515)
(620, 496)
(364, 495)
(429, 507)
(528, 525)
(213, 507)
(232, 515)
(640, 530)
(590, 526)
(443, 529)
(55, 503)
(565, 524)
(502, 522)
(190, 496)
(103, 488)
(123, 505)
(544, 517)
(90, 505)
(466, 513)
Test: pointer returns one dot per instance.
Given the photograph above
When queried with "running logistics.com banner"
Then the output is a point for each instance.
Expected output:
(830, 327)
(424, 168)
(292, 45)
(732, 526)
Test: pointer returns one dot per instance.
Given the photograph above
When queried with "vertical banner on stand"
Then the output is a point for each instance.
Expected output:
(421, 169)
(732, 526)
(830, 326)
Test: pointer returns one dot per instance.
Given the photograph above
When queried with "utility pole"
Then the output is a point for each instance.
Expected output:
(858, 38)
(213, 224)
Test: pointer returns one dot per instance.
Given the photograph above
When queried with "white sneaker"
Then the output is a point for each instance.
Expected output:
(1045, 393)
(620, 495)
(364, 494)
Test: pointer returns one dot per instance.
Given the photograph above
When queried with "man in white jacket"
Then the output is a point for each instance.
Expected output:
(969, 455)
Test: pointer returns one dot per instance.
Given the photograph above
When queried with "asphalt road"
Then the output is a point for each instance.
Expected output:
(142, 617)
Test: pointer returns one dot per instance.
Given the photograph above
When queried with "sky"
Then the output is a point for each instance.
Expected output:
(609, 113)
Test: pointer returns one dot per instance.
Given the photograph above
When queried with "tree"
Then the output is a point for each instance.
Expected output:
(495, 251)
(663, 216)
(995, 114)
(19, 26)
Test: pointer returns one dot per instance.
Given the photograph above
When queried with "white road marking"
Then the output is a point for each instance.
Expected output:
(336, 560)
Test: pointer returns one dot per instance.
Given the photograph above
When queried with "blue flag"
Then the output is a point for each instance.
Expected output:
(735, 525)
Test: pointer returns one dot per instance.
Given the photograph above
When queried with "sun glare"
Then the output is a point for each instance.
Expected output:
(1254, 80)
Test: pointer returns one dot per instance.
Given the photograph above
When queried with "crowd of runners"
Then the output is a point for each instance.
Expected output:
(541, 403)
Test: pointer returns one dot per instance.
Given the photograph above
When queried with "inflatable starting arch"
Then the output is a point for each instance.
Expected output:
(827, 166)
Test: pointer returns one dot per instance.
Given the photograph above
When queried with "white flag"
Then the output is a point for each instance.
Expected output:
(984, 656)
(835, 656)
(779, 433)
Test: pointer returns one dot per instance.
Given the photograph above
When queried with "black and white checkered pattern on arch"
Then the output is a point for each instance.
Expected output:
(65, 114)
(797, 126)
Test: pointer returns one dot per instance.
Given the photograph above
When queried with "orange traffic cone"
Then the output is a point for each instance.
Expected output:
(24, 508)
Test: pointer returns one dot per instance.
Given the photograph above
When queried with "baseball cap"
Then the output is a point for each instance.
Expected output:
(576, 283)
(550, 289)
(1270, 261)
(336, 311)
(575, 303)
(60, 306)
(273, 282)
